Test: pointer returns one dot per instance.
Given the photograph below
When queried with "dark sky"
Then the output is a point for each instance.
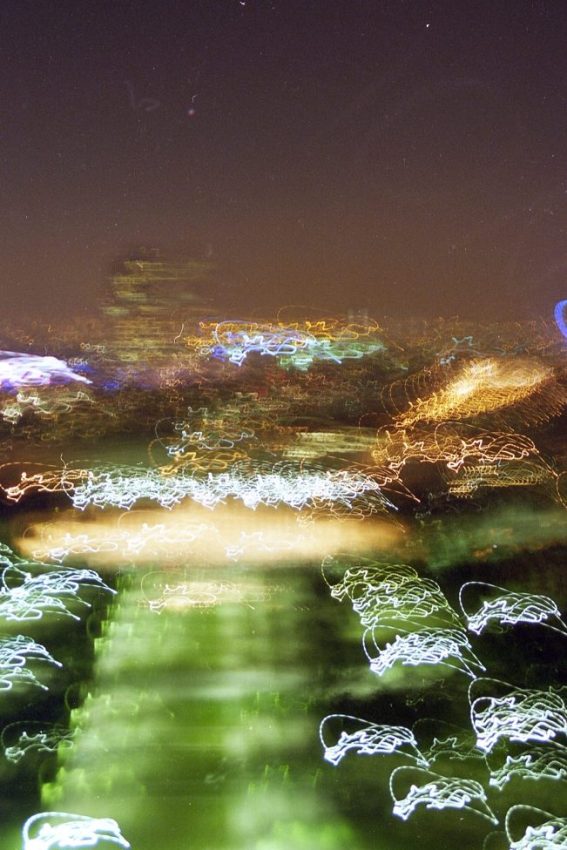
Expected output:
(405, 155)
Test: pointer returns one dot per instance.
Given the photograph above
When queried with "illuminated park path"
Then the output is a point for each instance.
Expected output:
(200, 732)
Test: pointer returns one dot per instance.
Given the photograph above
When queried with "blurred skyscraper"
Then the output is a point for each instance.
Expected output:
(152, 303)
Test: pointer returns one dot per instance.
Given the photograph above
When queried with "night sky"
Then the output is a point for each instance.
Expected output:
(402, 155)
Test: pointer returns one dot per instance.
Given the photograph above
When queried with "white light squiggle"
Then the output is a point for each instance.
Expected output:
(452, 748)
(156, 538)
(509, 608)
(544, 762)
(438, 792)
(25, 597)
(390, 594)
(70, 830)
(272, 486)
(449, 647)
(24, 604)
(15, 653)
(520, 715)
(23, 737)
(293, 345)
(364, 577)
(205, 432)
(550, 834)
(367, 739)
(414, 600)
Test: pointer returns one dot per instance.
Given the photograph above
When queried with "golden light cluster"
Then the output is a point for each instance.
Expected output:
(487, 386)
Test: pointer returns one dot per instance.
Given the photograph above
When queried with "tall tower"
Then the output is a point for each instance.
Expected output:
(150, 301)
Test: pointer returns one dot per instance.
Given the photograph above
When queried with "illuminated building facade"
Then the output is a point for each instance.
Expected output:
(151, 302)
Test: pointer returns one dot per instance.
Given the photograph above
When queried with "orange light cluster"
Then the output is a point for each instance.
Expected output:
(486, 386)
(37, 478)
